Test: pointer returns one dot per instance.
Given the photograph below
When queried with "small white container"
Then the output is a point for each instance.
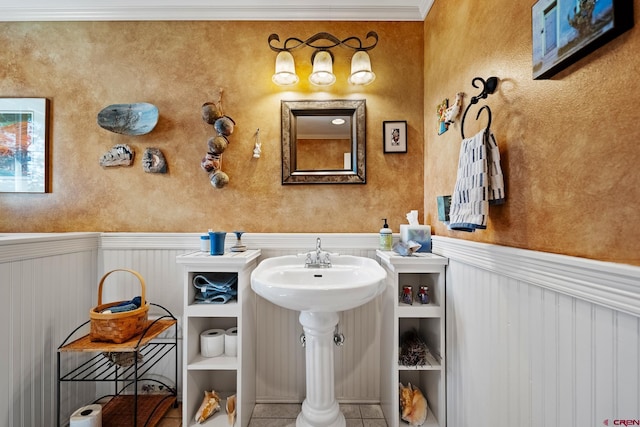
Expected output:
(204, 243)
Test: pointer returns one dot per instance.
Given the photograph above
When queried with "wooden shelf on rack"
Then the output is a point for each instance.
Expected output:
(85, 344)
(118, 412)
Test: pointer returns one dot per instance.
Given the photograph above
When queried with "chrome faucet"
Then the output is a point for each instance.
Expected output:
(318, 258)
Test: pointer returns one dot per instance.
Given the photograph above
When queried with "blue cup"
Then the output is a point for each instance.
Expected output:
(216, 239)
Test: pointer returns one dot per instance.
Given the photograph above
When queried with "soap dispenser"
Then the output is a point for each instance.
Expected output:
(386, 236)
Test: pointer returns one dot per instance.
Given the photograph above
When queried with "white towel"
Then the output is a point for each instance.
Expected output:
(479, 182)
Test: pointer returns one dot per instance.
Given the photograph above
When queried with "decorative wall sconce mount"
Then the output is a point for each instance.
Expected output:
(322, 59)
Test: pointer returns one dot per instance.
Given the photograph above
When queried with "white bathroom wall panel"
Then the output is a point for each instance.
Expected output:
(539, 339)
(163, 281)
(533, 339)
(280, 365)
(46, 286)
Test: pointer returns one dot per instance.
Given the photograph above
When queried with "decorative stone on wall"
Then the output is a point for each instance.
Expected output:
(213, 114)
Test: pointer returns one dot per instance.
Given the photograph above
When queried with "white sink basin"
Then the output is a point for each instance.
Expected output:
(350, 282)
(319, 293)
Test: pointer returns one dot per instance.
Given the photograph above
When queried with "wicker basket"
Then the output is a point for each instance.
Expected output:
(118, 327)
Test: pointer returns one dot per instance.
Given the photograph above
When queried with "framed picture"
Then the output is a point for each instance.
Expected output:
(566, 30)
(395, 136)
(24, 163)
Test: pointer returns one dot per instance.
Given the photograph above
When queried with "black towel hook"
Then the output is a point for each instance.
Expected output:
(488, 87)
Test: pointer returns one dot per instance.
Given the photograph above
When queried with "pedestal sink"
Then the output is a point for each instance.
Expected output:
(319, 294)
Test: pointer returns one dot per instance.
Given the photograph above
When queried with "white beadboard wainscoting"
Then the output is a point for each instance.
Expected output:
(47, 286)
(537, 339)
(533, 339)
(280, 360)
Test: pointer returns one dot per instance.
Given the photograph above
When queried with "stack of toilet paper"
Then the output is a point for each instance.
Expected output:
(87, 416)
(216, 342)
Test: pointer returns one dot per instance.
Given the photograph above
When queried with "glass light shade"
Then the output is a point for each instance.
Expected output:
(322, 74)
(285, 74)
(361, 73)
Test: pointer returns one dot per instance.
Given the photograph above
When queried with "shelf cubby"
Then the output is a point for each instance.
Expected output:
(226, 375)
(423, 269)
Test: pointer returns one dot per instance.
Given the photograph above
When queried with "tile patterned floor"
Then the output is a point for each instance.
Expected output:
(284, 415)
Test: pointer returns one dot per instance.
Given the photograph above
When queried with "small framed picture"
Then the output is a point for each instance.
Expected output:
(395, 136)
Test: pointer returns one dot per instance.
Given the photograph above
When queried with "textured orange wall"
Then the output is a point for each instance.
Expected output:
(332, 153)
(84, 66)
(570, 145)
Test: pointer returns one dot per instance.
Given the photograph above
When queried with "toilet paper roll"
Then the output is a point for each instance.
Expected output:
(87, 416)
(212, 342)
(231, 342)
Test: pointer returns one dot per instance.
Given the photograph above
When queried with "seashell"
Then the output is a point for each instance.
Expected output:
(124, 359)
(153, 161)
(219, 179)
(224, 125)
(413, 405)
(211, 162)
(129, 119)
(211, 112)
(231, 409)
(119, 155)
(257, 150)
(217, 144)
(209, 406)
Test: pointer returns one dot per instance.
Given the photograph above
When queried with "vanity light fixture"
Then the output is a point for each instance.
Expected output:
(322, 74)
(322, 59)
(361, 73)
(285, 74)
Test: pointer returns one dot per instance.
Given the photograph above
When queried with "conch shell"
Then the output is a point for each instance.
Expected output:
(209, 406)
(413, 405)
(231, 409)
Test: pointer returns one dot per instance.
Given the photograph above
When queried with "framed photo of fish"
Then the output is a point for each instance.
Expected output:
(565, 31)
(24, 156)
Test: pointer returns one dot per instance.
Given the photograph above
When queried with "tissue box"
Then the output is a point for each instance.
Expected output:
(418, 233)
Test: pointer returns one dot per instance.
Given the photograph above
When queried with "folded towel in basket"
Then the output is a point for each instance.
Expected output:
(479, 182)
(124, 306)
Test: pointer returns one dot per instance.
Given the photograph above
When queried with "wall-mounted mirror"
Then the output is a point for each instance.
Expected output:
(323, 142)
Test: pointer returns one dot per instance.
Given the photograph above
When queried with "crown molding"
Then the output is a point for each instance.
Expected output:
(425, 8)
(198, 10)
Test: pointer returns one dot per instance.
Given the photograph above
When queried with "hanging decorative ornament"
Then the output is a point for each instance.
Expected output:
(257, 149)
(213, 114)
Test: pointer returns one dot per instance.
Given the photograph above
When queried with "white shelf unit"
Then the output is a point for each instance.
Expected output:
(227, 375)
(421, 269)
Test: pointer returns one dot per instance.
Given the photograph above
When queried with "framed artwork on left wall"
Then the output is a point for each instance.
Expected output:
(24, 156)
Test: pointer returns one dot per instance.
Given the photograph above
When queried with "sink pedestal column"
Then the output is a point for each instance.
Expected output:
(320, 408)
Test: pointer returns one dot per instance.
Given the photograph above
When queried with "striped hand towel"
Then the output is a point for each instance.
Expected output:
(479, 182)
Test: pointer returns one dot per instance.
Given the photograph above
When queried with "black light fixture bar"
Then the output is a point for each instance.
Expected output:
(293, 43)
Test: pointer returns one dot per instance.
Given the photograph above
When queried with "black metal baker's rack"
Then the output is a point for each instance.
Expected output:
(146, 352)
